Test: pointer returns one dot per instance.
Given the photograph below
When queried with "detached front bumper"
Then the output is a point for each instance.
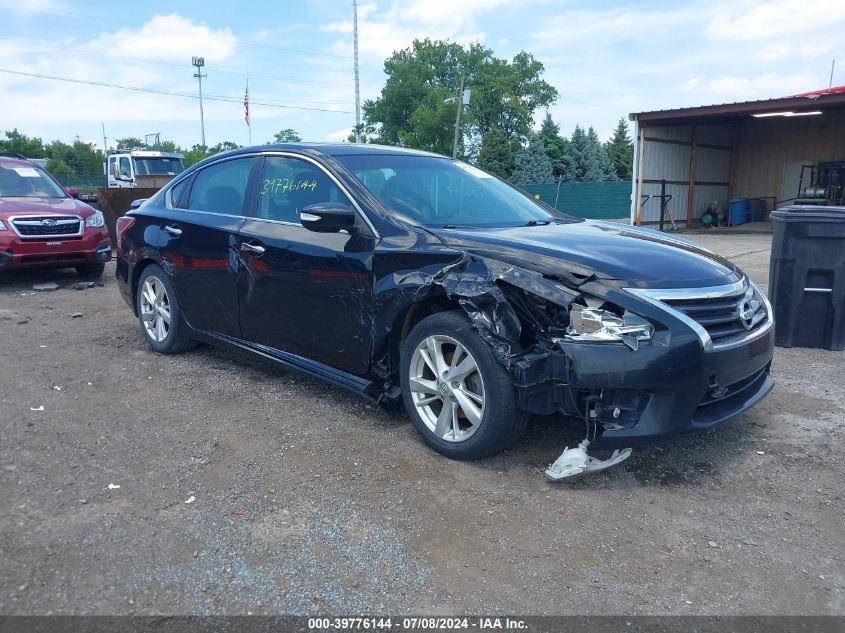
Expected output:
(650, 395)
(93, 247)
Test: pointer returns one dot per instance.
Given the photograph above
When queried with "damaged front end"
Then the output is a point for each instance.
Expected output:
(530, 320)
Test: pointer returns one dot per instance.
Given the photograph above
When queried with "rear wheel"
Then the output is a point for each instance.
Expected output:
(458, 396)
(90, 271)
(158, 312)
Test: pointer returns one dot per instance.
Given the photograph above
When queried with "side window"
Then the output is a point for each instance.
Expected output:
(124, 167)
(289, 184)
(222, 188)
(176, 192)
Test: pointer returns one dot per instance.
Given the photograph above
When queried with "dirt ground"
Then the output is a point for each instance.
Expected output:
(304, 498)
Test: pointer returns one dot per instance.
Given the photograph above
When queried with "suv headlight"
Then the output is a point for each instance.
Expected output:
(594, 322)
(95, 221)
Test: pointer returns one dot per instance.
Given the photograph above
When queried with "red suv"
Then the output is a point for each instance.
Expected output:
(42, 225)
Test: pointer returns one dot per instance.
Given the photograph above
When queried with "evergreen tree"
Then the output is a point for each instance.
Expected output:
(498, 153)
(620, 150)
(532, 165)
(557, 149)
(589, 158)
(606, 169)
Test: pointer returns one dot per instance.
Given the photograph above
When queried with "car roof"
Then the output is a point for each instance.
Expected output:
(339, 149)
(16, 161)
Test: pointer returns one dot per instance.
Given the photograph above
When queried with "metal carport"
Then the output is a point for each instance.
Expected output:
(752, 149)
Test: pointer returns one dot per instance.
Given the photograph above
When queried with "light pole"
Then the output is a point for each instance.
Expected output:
(462, 100)
(199, 62)
(357, 90)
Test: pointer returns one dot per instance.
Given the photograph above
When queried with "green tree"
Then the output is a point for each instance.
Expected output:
(620, 150)
(589, 158)
(225, 146)
(288, 135)
(130, 142)
(169, 146)
(411, 112)
(195, 155)
(498, 153)
(18, 143)
(532, 164)
(557, 149)
(77, 159)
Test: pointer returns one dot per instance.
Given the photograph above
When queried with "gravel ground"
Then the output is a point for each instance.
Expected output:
(306, 499)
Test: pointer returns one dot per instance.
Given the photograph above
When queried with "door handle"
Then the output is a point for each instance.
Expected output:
(254, 249)
(172, 230)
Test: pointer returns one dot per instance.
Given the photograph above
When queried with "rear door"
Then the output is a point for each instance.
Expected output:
(303, 292)
(201, 241)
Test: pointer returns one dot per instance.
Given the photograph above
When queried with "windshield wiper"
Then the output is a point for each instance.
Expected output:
(457, 226)
(537, 223)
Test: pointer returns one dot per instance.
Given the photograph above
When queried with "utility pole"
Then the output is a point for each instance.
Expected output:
(199, 62)
(462, 100)
(105, 144)
(357, 89)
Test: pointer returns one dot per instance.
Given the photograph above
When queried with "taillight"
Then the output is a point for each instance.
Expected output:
(124, 223)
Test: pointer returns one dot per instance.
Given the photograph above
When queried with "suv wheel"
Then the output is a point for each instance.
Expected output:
(459, 398)
(158, 312)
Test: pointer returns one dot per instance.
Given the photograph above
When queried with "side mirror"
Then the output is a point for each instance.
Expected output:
(327, 217)
(137, 203)
(73, 193)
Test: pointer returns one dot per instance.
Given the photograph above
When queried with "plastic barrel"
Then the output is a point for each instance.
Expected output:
(738, 211)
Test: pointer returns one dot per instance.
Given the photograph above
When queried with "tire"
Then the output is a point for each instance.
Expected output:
(90, 271)
(155, 297)
(499, 424)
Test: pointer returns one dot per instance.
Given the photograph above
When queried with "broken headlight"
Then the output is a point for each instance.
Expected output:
(595, 322)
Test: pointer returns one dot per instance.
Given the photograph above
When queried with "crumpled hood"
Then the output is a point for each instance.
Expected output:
(607, 250)
(42, 206)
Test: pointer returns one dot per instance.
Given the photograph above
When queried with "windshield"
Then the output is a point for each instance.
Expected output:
(158, 166)
(441, 192)
(25, 181)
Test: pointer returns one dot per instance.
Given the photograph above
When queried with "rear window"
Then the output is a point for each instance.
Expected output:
(27, 181)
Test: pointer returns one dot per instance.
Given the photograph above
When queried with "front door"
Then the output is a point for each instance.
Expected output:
(201, 241)
(303, 292)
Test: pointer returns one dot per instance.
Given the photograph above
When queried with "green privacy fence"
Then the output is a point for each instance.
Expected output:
(594, 200)
(82, 183)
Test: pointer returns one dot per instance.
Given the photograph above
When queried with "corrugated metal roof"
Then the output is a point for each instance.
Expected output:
(831, 97)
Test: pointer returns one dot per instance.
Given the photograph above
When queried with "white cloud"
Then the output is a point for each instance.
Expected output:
(771, 20)
(30, 7)
(339, 136)
(171, 36)
(380, 33)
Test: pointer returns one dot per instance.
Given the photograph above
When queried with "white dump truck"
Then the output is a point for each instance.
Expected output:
(142, 168)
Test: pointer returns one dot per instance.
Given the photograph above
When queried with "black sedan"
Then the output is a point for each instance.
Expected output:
(407, 276)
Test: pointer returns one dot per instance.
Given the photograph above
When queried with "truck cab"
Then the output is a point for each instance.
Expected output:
(142, 168)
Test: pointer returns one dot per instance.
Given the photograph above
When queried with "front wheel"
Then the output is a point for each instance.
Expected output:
(458, 396)
(158, 312)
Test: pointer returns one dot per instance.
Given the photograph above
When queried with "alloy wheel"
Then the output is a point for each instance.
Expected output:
(155, 309)
(447, 388)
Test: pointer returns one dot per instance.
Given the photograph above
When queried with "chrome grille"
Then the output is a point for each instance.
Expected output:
(47, 225)
(726, 316)
(721, 316)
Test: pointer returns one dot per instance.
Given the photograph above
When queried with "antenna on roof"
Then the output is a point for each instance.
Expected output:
(832, 66)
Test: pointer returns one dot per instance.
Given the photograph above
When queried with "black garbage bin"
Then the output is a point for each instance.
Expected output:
(807, 276)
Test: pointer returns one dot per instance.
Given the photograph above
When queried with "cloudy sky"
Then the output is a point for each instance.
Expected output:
(606, 58)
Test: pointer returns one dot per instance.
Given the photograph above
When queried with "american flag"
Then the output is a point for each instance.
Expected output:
(246, 104)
